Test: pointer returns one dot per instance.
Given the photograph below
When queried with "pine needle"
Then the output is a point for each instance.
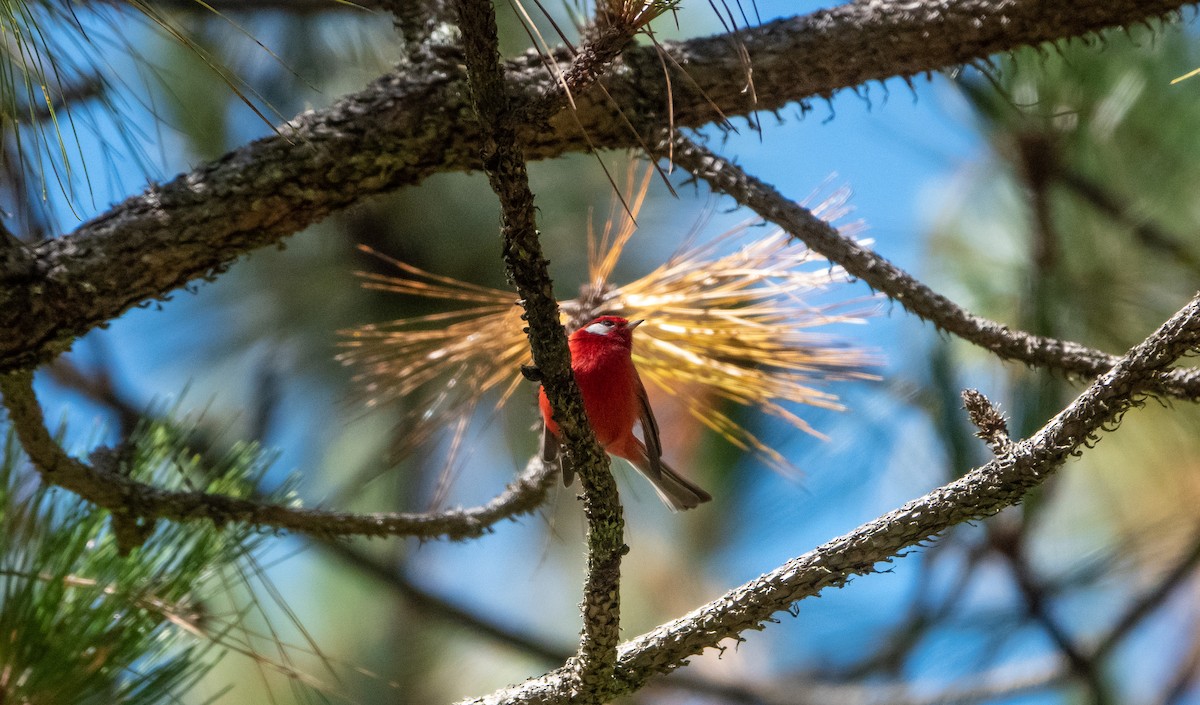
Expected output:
(726, 321)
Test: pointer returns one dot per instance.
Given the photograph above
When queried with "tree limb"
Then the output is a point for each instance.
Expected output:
(410, 124)
(527, 269)
(130, 499)
(918, 299)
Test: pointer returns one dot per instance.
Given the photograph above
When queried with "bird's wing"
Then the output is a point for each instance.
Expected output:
(649, 429)
(550, 455)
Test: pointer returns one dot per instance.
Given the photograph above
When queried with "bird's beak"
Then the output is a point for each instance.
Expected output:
(636, 323)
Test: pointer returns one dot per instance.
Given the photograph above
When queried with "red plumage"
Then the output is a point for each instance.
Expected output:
(615, 399)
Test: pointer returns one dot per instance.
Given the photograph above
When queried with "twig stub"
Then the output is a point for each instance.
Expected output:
(993, 429)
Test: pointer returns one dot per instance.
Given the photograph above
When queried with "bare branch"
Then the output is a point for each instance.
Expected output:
(1178, 686)
(382, 138)
(433, 605)
(528, 270)
(109, 488)
(1147, 603)
(99, 388)
(1082, 666)
(980, 493)
(1002, 682)
(1146, 230)
(725, 177)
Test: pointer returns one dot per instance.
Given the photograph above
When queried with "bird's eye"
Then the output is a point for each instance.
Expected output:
(610, 324)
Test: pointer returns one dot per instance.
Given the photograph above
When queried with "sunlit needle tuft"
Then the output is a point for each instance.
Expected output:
(725, 320)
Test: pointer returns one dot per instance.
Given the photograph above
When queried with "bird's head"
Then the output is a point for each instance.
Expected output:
(609, 329)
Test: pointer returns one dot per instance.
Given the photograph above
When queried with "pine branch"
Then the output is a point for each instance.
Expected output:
(980, 493)
(129, 500)
(527, 269)
(88, 622)
(382, 138)
(918, 299)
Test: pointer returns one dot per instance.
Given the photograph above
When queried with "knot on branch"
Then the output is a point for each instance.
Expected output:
(993, 429)
(130, 526)
(111, 461)
(131, 531)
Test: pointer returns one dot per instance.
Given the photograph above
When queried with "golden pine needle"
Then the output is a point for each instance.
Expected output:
(732, 327)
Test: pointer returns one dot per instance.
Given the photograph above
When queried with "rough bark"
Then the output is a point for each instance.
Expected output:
(416, 121)
(528, 270)
(103, 484)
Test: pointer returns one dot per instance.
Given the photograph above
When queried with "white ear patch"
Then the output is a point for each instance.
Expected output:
(599, 328)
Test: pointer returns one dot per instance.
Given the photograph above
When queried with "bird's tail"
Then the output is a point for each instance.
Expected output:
(675, 490)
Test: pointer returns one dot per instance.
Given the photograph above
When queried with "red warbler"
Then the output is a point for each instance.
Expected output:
(614, 399)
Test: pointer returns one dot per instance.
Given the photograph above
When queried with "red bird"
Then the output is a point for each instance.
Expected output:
(614, 398)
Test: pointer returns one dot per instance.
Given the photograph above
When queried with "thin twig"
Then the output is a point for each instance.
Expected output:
(1082, 665)
(1151, 600)
(433, 605)
(97, 387)
(1000, 683)
(1150, 233)
(725, 177)
(109, 488)
(1178, 686)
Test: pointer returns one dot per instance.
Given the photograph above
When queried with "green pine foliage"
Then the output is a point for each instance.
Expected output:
(1086, 188)
(80, 623)
(73, 79)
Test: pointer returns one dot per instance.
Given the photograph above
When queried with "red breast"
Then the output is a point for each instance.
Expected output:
(601, 358)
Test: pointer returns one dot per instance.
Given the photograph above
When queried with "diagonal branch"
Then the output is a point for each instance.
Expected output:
(437, 607)
(726, 177)
(1084, 667)
(978, 494)
(129, 499)
(1136, 613)
(408, 125)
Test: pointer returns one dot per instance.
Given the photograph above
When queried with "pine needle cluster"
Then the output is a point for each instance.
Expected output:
(83, 622)
(726, 321)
